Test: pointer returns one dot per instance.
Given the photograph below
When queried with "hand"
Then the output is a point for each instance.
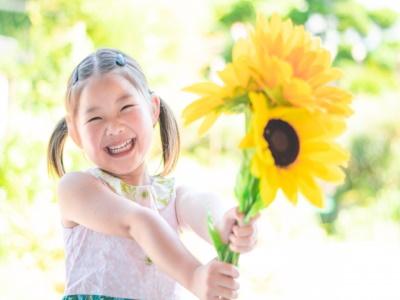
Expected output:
(241, 237)
(215, 280)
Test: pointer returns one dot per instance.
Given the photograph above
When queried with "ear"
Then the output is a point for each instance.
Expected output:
(72, 132)
(155, 108)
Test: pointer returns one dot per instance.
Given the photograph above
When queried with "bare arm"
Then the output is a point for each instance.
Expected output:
(192, 209)
(85, 200)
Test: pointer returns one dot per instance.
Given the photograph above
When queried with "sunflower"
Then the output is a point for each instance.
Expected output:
(280, 59)
(293, 147)
(292, 67)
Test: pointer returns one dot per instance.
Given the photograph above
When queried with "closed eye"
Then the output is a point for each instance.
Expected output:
(127, 106)
(93, 119)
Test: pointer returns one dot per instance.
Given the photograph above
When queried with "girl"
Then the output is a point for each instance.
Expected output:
(120, 223)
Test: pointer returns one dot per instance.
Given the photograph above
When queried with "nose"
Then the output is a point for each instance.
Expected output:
(114, 128)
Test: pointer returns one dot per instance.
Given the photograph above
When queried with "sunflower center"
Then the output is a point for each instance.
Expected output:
(283, 142)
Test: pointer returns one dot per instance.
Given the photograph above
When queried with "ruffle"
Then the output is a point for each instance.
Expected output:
(161, 188)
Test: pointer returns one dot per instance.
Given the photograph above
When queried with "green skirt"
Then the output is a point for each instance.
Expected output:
(92, 297)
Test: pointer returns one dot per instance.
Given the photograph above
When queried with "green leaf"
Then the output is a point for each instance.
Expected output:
(219, 245)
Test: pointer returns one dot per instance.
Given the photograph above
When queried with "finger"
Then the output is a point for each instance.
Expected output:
(255, 218)
(242, 241)
(227, 282)
(225, 293)
(239, 217)
(242, 249)
(243, 231)
(227, 269)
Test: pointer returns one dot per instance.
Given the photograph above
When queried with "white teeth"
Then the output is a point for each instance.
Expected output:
(120, 148)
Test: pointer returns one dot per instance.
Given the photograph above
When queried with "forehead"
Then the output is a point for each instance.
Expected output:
(104, 88)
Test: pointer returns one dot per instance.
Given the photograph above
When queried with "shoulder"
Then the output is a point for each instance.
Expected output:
(77, 186)
(76, 181)
(71, 189)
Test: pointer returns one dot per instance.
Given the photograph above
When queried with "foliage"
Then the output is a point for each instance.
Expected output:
(13, 23)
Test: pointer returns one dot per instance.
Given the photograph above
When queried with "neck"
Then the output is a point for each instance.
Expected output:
(139, 176)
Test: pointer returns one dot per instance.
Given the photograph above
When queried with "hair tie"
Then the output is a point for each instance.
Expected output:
(76, 77)
(120, 60)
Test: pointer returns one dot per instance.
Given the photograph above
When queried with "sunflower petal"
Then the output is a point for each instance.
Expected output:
(259, 102)
(228, 76)
(288, 185)
(325, 171)
(324, 151)
(267, 191)
(255, 167)
(247, 141)
(203, 88)
(209, 120)
(199, 109)
(324, 77)
(311, 191)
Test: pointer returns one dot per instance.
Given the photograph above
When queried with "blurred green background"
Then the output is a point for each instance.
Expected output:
(349, 250)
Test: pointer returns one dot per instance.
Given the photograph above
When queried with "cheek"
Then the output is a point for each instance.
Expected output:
(143, 126)
(141, 119)
(90, 138)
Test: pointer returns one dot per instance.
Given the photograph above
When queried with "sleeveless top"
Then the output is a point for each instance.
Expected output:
(112, 267)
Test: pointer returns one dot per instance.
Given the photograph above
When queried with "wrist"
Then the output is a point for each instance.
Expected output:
(194, 279)
(190, 274)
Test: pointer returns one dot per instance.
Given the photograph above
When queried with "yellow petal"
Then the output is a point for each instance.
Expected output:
(298, 92)
(198, 104)
(333, 93)
(247, 141)
(240, 49)
(267, 191)
(208, 122)
(256, 166)
(324, 77)
(311, 126)
(203, 88)
(288, 184)
(324, 151)
(311, 190)
(336, 108)
(228, 76)
(325, 171)
(198, 109)
(259, 102)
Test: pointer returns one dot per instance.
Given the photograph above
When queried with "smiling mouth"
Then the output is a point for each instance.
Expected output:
(122, 148)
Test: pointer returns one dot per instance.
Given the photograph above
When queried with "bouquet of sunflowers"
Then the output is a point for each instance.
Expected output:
(279, 78)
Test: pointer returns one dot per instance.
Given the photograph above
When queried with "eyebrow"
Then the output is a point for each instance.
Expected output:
(94, 108)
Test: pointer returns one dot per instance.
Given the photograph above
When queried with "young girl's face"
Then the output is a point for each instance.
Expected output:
(114, 123)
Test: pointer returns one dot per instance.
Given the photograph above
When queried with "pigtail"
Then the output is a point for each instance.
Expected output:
(55, 163)
(170, 139)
